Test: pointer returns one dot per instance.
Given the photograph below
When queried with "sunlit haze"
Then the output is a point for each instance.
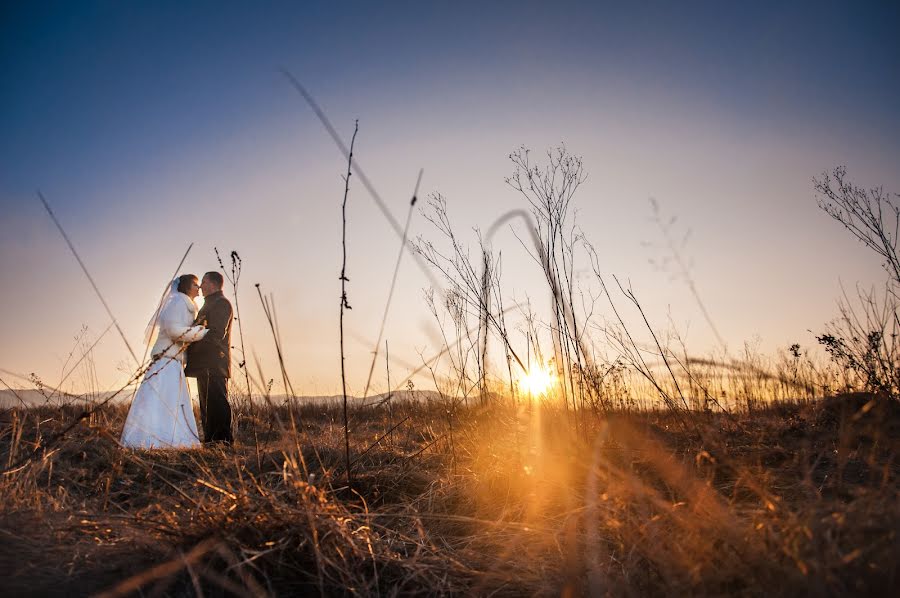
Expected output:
(149, 127)
(537, 381)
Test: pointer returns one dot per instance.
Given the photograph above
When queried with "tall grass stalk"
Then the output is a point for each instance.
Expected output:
(234, 278)
(387, 305)
(88, 275)
(345, 305)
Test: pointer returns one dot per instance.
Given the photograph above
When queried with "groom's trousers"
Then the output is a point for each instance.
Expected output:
(215, 412)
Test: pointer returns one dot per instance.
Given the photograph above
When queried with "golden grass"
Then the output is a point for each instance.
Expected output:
(791, 499)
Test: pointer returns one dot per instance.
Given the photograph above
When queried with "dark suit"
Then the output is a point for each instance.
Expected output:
(209, 361)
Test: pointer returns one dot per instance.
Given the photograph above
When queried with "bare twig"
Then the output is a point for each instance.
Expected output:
(234, 279)
(344, 305)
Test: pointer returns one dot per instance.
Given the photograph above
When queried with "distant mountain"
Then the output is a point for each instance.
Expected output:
(36, 398)
(30, 397)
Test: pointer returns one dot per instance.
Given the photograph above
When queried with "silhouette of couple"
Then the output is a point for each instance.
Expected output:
(188, 344)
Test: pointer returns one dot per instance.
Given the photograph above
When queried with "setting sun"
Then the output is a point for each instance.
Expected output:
(538, 381)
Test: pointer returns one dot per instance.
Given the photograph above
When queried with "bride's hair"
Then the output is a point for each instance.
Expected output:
(184, 283)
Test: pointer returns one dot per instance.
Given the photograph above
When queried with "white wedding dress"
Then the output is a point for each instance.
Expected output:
(161, 415)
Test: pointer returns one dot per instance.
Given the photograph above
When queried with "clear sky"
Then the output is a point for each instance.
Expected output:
(152, 125)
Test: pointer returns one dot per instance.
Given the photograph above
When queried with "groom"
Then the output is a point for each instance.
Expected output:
(209, 361)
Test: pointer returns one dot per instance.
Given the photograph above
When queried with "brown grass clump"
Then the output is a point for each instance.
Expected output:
(791, 499)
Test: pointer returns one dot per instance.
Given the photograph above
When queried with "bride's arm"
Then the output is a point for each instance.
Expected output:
(193, 334)
(171, 323)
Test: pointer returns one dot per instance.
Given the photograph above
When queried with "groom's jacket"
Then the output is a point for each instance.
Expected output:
(212, 353)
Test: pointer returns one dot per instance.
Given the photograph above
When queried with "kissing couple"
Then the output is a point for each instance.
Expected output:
(189, 344)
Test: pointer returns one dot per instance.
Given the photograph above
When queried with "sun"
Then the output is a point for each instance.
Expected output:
(538, 381)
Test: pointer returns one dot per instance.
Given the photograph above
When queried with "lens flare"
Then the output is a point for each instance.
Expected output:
(538, 381)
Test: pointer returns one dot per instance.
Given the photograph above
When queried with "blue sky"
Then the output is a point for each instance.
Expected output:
(151, 125)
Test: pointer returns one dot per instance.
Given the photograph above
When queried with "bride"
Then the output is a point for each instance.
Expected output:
(161, 415)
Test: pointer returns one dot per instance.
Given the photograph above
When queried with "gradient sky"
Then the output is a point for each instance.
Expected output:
(152, 125)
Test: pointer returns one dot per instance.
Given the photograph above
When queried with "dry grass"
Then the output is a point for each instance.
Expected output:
(792, 499)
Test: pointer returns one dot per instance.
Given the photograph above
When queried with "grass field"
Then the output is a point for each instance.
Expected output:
(789, 499)
(639, 469)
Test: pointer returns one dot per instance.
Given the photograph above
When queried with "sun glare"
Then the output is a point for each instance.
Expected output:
(538, 381)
